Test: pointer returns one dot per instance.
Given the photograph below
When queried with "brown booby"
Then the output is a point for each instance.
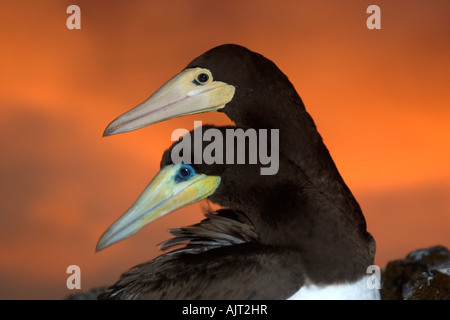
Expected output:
(281, 237)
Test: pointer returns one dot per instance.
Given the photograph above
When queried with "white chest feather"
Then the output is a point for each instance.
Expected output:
(349, 291)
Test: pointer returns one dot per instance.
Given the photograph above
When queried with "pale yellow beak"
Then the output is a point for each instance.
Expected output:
(181, 95)
(165, 193)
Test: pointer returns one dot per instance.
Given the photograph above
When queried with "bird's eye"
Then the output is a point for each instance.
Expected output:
(185, 172)
(202, 78)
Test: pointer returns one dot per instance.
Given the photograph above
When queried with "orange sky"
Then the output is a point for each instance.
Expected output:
(380, 99)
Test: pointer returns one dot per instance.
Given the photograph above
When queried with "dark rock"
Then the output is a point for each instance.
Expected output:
(423, 275)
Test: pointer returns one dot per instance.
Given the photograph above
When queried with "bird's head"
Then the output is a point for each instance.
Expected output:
(229, 78)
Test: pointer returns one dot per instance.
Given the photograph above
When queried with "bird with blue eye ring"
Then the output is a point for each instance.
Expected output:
(176, 184)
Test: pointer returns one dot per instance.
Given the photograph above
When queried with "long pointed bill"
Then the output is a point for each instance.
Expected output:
(164, 194)
(184, 94)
